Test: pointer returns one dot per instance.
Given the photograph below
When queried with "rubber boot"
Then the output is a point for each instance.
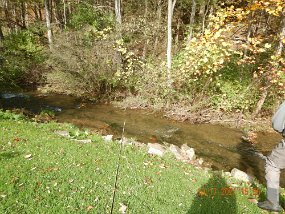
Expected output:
(272, 202)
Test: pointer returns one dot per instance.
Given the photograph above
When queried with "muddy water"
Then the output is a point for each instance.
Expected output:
(222, 146)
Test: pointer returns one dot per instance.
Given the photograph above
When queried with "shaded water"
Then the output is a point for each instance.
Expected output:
(222, 146)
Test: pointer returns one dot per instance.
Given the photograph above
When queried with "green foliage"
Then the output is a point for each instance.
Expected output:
(21, 58)
(8, 115)
(47, 112)
(77, 133)
(85, 14)
(83, 64)
(131, 72)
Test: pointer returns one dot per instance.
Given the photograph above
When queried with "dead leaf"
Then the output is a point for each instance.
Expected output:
(29, 156)
(123, 208)
(147, 181)
(89, 208)
(253, 200)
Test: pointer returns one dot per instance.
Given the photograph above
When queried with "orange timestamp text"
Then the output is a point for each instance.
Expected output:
(228, 191)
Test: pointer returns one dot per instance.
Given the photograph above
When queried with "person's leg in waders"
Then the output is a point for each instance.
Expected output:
(274, 163)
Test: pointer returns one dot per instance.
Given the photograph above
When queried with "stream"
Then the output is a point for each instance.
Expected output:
(223, 147)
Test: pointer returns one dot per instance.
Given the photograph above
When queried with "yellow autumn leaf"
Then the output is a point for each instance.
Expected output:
(267, 45)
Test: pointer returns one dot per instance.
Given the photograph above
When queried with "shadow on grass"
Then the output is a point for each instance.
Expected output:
(8, 155)
(214, 197)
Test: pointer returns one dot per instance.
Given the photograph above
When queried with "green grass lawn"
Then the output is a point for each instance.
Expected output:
(41, 172)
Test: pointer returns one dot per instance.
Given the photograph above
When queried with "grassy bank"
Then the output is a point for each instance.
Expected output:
(42, 172)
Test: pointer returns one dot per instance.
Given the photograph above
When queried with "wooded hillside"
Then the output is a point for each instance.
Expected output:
(183, 55)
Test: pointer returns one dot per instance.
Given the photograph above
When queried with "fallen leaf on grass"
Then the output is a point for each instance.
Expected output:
(29, 156)
(162, 166)
(147, 163)
(147, 181)
(89, 208)
(50, 169)
(253, 200)
(17, 139)
(123, 208)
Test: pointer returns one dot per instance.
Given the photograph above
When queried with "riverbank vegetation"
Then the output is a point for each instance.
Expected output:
(218, 57)
(44, 172)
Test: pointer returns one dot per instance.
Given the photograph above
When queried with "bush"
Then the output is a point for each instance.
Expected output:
(82, 64)
(87, 15)
(21, 58)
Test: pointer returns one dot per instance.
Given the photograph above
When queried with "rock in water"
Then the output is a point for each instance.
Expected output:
(240, 175)
(188, 152)
(156, 149)
(177, 152)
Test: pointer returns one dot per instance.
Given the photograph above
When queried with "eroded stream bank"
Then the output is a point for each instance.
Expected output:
(220, 145)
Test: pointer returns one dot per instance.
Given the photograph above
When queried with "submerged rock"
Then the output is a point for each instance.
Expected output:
(12, 95)
(156, 149)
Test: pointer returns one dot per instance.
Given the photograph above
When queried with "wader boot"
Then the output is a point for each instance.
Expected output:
(272, 202)
(274, 163)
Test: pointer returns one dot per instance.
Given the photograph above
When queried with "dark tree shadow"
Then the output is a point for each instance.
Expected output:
(8, 155)
(214, 197)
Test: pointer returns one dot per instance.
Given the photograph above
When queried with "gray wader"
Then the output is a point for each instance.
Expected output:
(274, 163)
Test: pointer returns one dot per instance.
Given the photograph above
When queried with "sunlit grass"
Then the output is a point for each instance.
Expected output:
(44, 173)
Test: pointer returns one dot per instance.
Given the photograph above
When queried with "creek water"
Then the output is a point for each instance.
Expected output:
(223, 147)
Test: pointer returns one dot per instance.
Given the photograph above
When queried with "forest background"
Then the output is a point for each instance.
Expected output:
(194, 59)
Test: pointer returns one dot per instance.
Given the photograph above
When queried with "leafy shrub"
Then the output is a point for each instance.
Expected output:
(82, 64)
(21, 58)
(86, 14)
(8, 115)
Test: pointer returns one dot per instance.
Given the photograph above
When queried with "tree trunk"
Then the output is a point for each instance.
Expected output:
(249, 31)
(48, 23)
(51, 11)
(261, 101)
(192, 19)
(205, 15)
(171, 6)
(159, 11)
(177, 35)
(1, 34)
(145, 31)
(40, 12)
(16, 17)
(8, 16)
(281, 36)
(118, 13)
(119, 32)
(23, 14)
(202, 9)
(64, 14)
(35, 10)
